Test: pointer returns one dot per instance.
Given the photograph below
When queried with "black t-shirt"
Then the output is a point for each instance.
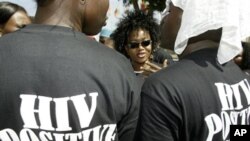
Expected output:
(57, 84)
(160, 55)
(195, 99)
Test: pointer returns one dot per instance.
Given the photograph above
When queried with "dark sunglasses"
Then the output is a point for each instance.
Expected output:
(137, 44)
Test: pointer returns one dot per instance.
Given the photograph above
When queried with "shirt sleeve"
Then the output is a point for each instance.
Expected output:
(160, 116)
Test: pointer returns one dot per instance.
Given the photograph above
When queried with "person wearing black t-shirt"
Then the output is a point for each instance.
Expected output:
(199, 97)
(57, 84)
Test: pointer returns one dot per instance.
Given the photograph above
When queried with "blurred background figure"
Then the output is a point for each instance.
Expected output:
(160, 55)
(136, 37)
(12, 17)
(243, 60)
(105, 38)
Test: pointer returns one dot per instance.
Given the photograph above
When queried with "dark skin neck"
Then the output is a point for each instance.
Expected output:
(137, 66)
(54, 14)
(199, 46)
(209, 39)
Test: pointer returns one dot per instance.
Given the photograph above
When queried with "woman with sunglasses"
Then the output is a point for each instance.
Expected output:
(136, 37)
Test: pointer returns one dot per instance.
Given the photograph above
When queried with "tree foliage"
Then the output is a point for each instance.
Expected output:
(158, 5)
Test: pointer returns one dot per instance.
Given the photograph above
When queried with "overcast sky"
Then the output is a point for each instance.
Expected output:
(29, 5)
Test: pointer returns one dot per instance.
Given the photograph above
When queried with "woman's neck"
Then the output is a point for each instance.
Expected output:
(137, 66)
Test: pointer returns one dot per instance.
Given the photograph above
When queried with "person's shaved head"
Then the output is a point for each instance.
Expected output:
(87, 16)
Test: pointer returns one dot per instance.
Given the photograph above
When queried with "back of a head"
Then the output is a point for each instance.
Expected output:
(87, 16)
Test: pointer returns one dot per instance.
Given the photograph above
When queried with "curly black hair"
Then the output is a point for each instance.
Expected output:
(134, 20)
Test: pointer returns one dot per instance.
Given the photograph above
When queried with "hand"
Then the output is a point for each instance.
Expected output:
(150, 68)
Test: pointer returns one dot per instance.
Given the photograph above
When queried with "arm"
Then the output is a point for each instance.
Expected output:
(160, 117)
(127, 125)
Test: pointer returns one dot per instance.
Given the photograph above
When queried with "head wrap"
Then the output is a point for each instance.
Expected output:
(199, 16)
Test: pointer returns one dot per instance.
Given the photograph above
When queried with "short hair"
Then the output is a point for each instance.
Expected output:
(132, 21)
(7, 9)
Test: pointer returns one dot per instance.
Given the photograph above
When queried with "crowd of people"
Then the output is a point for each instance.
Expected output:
(185, 79)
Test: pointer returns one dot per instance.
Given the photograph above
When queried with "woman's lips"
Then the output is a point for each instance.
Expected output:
(141, 55)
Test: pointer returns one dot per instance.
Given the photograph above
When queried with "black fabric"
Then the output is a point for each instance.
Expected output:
(160, 55)
(195, 99)
(245, 65)
(57, 84)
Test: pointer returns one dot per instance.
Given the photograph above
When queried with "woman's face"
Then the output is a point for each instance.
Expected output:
(16, 21)
(139, 46)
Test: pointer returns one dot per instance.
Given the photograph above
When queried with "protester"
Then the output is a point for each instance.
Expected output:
(12, 17)
(58, 84)
(136, 37)
(199, 97)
